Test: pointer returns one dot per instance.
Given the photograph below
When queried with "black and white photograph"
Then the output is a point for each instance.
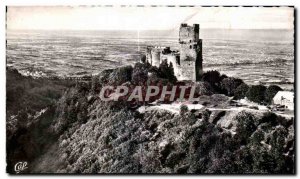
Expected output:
(150, 89)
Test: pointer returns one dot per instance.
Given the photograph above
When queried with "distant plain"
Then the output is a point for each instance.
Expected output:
(265, 56)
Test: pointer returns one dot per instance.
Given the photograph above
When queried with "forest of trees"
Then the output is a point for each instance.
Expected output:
(93, 136)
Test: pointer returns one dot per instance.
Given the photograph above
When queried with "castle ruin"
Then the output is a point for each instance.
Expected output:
(187, 62)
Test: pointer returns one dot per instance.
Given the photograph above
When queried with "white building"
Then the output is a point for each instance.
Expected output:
(285, 98)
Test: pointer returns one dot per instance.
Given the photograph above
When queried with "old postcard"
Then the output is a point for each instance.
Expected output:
(150, 90)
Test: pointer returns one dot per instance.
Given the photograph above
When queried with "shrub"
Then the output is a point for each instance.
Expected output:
(183, 109)
(240, 91)
(271, 91)
(256, 93)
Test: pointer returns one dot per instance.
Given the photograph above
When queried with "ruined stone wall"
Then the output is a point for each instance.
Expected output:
(155, 56)
(188, 63)
(189, 33)
(190, 52)
(149, 56)
(187, 71)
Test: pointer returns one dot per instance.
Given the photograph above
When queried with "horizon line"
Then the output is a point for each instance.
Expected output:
(148, 29)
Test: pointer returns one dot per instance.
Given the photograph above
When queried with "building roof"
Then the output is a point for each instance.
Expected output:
(285, 94)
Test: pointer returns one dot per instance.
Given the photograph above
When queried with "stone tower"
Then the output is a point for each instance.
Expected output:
(190, 52)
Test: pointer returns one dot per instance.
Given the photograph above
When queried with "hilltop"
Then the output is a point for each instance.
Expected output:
(82, 134)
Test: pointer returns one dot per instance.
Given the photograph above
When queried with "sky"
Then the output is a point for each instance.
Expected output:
(147, 18)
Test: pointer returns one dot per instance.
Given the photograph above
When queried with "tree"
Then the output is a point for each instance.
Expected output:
(277, 142)
(240, 91)
(167, 71)
(213, 77)
(257, 137)
(228, 85)
(271, 92)
(104, 76)
(121, 75)
(268, 117)
(140, 73)
(95, 86)
(206, 114)
(256, 93)
(223, 76)
(245, 125)
(143, 58)
(203, 88)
